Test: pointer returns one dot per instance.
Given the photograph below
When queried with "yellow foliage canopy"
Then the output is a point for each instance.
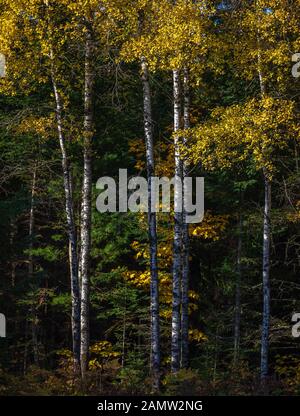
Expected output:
(257, 128)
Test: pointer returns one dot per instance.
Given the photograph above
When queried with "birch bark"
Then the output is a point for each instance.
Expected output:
(152, 231)
(266, 280)
(185, 239)
(264, 363)
(69, 208)
(177, 269)
(86, 202)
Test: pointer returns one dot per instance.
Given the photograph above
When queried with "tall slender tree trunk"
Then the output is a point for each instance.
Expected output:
(264, 363)
(32, 221)
(86, 202)
(69, 208)
(266, 280)
(34, 315)
(177, 269)
(152, 231)
(237, 308)
(185, 238)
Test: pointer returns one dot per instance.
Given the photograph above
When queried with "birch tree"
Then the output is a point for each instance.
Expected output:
(36, 27)
(152, 229)
(185, 233)
(86, 203)
(141, 20)
(178, 228)
(183, 44)
(251, 130)
(261, 40)
(94, 22)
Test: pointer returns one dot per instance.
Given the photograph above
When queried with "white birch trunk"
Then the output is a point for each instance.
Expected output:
(266, 281)
(185, 239)
(264, 363)
(69, 208)
(86, 203)
(152, 231)
(177, 270)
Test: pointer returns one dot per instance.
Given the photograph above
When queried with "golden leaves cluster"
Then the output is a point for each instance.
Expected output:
(257, 128)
